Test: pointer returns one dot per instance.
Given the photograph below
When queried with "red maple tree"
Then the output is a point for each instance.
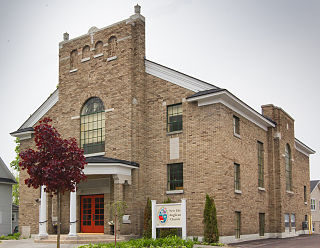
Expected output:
(57, 163)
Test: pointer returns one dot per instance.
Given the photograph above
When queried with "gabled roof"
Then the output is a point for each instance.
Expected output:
(223, 96)
(6, 175)
(106, 160)
(301, 147)
(204, 93)
(177, 77)
(26, 128)
(313, 184)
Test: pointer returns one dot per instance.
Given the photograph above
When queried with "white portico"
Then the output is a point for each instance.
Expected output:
(102, 173)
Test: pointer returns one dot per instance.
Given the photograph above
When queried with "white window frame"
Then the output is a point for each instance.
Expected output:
(236, 120)
(313, 204)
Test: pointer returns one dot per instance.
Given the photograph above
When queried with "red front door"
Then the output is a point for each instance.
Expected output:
(92, 214)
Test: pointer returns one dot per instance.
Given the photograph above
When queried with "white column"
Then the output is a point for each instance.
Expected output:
(73, 214)
(153, 218)
(184, 218)
(43, 214)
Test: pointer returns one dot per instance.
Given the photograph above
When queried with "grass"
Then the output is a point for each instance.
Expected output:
(14, 236)
(168, 242)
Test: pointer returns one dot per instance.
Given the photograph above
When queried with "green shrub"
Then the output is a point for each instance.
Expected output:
(211, 233)
(147, 223)
(174, 242)
(14, 236)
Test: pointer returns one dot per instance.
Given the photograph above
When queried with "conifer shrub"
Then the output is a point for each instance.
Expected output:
(211, 232)
(147, 223)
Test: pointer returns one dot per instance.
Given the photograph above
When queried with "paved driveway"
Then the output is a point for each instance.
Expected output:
(303, 241)
(29, 243)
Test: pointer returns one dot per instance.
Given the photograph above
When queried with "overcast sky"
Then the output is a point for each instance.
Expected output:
(263, 51)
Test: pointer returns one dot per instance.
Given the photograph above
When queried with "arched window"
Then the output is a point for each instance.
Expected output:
(73, 59)
(288, 168)
(86, 52)
(98, 47)
(92, 126)
(112, 46)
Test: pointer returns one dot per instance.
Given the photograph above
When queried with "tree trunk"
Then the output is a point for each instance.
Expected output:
(115, 232)
(59, 220)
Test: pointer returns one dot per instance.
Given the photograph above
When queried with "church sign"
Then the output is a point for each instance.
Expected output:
(169, 215)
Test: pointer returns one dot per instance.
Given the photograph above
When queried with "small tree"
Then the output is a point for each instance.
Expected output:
(117, 211)
(15, 165)
(57, 163)
(147, 224)
(211, 233)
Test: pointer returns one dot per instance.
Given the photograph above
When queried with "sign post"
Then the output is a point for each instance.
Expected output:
(169, 215)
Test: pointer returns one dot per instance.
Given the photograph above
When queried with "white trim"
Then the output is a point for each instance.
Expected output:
(94, 154)
(237, 191)
(124, 38)
(230, 101)
(42, 110)
(108, 169)
(236, 135)
(109, 110)
(261, 189)
(75, 117)
(73, 70)
(171, 192)
(112, 58)
(175, 77)
(98, 55)
(23, 135)
(85, 59)
(303, 148)
(248, 237)
(290, 192)
(65, 58)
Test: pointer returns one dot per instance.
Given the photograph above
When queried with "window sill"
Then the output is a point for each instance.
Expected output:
(112, 58)
(305, 203)
(171, 192)
(237, 135)
(85, 59)
(94, 154)
(261, 189)
(174, 132)
(290, 192)
(237, 191)
(73, 70)
(98, 55)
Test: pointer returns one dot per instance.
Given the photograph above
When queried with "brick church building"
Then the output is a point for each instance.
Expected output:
(149, 131)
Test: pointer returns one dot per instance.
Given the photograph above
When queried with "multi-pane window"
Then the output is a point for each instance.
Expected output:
(236, 125)
(293, 220)
(174, 118)
(237, 176)
(313, 204)
(175, 176)
(238, 225)
(287, 220)
(288, 168)
(260, 165)
(305, 193)
(261, 224)
(92, 126)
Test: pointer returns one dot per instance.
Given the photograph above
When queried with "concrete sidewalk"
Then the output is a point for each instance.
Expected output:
(29, 243)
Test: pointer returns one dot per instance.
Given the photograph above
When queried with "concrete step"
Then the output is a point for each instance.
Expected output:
(79, 239)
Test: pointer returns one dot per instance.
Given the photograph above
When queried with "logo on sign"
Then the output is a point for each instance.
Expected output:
(163, 215)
